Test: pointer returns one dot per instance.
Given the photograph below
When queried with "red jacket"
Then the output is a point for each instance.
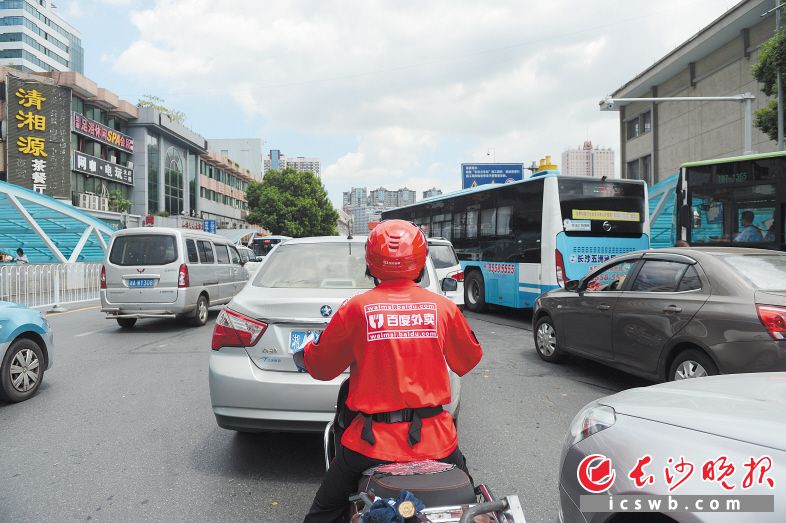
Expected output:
(398, 340)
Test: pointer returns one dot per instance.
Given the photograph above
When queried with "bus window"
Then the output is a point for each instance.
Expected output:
(592, 208)
(488, 222)
(733, 214)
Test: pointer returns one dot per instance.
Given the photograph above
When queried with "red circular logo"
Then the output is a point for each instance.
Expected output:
(595, 473)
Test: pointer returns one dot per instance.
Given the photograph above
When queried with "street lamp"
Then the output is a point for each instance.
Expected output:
(610, 104)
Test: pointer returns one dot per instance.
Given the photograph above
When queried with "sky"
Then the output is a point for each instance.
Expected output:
(387, 93)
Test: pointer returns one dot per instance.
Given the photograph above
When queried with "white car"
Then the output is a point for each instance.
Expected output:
(447, 266)
(254, 384)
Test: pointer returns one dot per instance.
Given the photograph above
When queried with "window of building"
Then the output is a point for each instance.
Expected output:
(638, 125)
(646, 169)
(632, 128)
(646, 122)
(152, 173)
(632, 170)
(174, 168)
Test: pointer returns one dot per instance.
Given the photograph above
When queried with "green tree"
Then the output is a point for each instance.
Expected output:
(291, 203)
(158, 103)
(772, 58)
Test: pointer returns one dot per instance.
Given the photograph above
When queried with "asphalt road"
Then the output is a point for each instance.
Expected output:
(122, 430)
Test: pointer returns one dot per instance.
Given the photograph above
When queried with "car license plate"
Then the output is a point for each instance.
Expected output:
(141, 282)
(297, 339)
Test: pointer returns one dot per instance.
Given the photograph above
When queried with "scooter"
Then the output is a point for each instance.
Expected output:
(444, 489)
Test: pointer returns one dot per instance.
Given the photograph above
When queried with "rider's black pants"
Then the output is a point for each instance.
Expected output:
(341, 481)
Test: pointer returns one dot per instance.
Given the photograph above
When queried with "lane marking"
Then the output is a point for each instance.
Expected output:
(86, 334)
(53, 314)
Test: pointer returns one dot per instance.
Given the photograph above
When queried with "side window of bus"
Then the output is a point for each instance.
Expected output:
(222, 255)
(488, 222)
(504, 215)
(193, 257)
(205, 251)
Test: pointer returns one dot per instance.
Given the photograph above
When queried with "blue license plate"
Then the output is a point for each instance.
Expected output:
(141, 282)
(297, 339)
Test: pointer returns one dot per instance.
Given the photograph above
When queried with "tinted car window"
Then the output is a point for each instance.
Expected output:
(612, 278)
(193, 257)
(143, 249)
(222, 254)
(442, 256)
(690, 280)
(659, 276)
(763, 271)
(205, 251)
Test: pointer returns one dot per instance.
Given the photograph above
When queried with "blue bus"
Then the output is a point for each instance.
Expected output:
(518, 240)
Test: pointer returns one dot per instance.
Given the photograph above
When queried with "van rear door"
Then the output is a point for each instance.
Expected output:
(143, 268)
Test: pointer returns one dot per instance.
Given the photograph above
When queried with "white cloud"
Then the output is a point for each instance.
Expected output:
(424, 86)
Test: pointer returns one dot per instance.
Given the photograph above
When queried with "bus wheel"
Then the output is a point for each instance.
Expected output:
(475, 292)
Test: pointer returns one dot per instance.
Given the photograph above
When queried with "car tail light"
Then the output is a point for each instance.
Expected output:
(235, 330)
(459, 276)
(774, 320)
(560, 268)
(103, 277)
(182, 277)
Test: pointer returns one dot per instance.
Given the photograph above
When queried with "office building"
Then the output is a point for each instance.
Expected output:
(247, 152)
(278, 160)
(588, 161)
(362, 217)
(356, 197)
(383, 198)
(33, 38)
(655, 139)
(432, 193)
(222, 189)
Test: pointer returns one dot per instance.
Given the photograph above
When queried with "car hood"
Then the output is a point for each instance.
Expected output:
(10, 305)
(745, 407)
(290, 304)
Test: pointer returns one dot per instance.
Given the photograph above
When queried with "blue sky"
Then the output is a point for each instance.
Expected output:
(386, 93)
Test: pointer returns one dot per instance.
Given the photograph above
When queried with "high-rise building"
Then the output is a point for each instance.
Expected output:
(356, 197)
(381, 197)
(34, 39)
(588, 161)
(278, 160)
(406, 197)
(247, 152)
(431, 193)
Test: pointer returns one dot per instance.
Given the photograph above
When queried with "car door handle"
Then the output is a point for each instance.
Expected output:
(603, 307)
(672, 308)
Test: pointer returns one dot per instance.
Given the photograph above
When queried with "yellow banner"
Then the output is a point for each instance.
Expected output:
(619, 216)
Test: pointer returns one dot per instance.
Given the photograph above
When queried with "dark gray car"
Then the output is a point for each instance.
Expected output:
(671, 314)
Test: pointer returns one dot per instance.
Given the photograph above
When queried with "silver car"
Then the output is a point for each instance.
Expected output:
(161, 272)
(254, 384)
(676, 433)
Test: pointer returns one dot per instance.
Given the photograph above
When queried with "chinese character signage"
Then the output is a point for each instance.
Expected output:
(102, 133)
(474, 174)
(84, 163)
(39, 136)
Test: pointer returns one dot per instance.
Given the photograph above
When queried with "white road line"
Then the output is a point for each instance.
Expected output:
(53, 314)
(85, 334)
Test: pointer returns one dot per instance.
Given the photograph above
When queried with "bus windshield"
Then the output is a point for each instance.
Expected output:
(601, 208)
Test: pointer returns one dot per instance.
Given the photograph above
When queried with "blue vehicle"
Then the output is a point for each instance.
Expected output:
(25, 351)
(518, 240)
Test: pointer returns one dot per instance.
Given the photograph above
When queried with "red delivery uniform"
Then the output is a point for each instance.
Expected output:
(398, 341)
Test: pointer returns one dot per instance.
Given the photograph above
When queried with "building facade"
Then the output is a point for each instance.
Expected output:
(588, 161)
(356, 197)
(223, 183)
(165, 165)
(278, 160)
(68, 138)
(655, 139)
(245, 151)
(432, 193)
(33, 38)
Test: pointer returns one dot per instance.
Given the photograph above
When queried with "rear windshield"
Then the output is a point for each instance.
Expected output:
(442, 256)
(340, 265)
(143, 249)
(763, 271)
(598, 208)
(316, 265)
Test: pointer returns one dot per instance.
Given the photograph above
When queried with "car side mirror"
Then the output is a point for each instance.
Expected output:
(572, 285)
(449, 285)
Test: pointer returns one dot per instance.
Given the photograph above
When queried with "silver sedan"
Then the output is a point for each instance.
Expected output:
(721, 438)
(254, 384)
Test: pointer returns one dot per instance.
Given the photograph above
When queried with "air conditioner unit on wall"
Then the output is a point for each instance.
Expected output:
(84, 200)
(102, 204)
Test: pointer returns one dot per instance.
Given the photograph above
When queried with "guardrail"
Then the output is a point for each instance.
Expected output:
(50, 285)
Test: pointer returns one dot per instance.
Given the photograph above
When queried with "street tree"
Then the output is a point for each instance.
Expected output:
(772, 58)
(291, 203)
(159, 104)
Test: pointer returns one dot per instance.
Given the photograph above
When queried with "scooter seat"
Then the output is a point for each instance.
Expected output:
(435, 483)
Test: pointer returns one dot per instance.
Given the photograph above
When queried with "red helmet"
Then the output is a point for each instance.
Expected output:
(396, 249)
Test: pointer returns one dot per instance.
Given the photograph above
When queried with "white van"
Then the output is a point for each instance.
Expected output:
(160, 272)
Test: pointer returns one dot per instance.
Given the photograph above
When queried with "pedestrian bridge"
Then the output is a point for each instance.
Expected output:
(48, 230)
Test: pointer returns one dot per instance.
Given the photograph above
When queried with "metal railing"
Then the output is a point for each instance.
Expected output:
(50, 285)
